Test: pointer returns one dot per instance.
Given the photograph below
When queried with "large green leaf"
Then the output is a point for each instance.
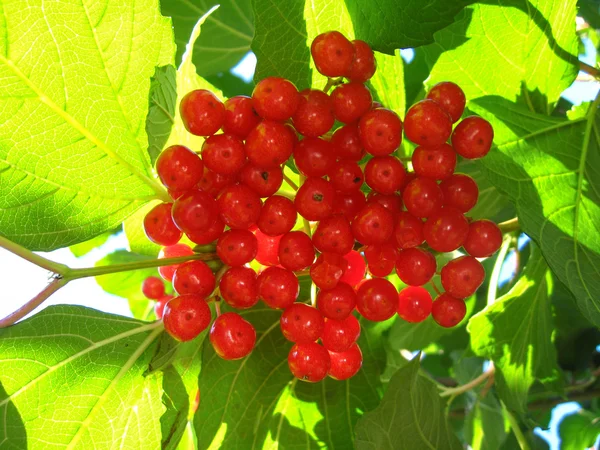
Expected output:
(410, 416)
(515, 332)
(72, 377)
(73, 103)
(161, 112)
(550, 169)
(516, 49)
(579, 430)
(227, 32)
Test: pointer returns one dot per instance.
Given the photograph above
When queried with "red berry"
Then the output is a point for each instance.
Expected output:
(415, 266)
(231, 336)
(327, 270)
(351, 101)
(408, 231)
(194, 211)
(268, 248)
(278, 287)
(186, 316)
(427, 124)
(159, 306)
(355, 272)
(380, 131)
(153, 288)
(339, 335)
(460, 192)
(377, 299)
(332, 53)
(337, 303)
(237, 247)
(159, 226)
(448, 311)
(239, 206)
(239, 288)
(315, 199)
(446, 230)
(265, 182)
(202, 112)
(364, 65)
(224, 154)
(240, 117)
(346, 176)
(450, 97)
(314, 116)
(374, 224)
(462, 276)
(385, 174)
(333, 234)
(172, 251)
(346, 143)
(296, 251)
(349, 204)
(301, 323)
(422, 197)
(269, 144)
(391, 202)
(414, 304)
(484, 238)
(277, 216)
(314, 157)
(213, 182)
(275, 98)
(209, 234)
(472, 138)
(436, 162)
(194, 277)
(346, 364)
(179, 168)
(309, 362)
(381, 259)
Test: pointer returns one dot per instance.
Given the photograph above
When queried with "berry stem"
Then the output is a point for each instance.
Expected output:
(306, 222)
(495, 276)
(34, 258)
(218, 306)
(448, 392)
(289, 181)
(510, 225)
(331, 82)
(435, 288)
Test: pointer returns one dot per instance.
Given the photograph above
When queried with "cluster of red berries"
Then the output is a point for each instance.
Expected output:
(218, 196)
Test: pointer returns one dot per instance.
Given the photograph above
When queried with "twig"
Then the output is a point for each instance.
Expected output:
(34, 258)
(468, 386)
(591, 70)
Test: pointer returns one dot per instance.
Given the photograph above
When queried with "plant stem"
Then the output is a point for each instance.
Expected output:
(34, 258)
(510, 225)
(468, 386)
(495, 276)
(591, 70)
(514, 425)
(289, 181)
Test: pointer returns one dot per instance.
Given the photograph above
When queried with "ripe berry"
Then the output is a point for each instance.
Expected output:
(275, 98)
(301, 323)
(484, 238)
(268, 248)
(460, 192)
(346, 364)
(159, 306)
(422, 197)
(349, 204)
(374, 224)
(448, 311)
(314, 157)
(296, 251)
(239, 206)
(346, 176)
(278, 287)
(472, 138)
(231, 336)
(213, 182)
(381, 259)
(269, 144)
(314, 116)
(351, 101)
(355, 272)
(339, 335)
(202, 112)
(172, 251)
(446, 230)
(332, 53)
(194, 211)
(315, 198)
(385, 174)
(309, 362)
(450, 97)
(427, 124)
(209, 234)
(377, 299)
(346, 143)
(327, 270)
(224, 154)
(391, 202)
(194, 277)
(364, 65)
(186, 316)
(380, 131)
(237, 247)
(239, 288)
(333, 234)
(153, 288)
(240, 117)
(436, 162)
(277, 216)
(415, 266)
(265, 182)
(337, 303)
(179, 168)
(462, 276)
(414, 304)
(159, 226)
(408, 231)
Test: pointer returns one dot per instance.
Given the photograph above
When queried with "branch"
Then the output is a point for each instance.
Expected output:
(34, 258)
(510, 225)
(451, 392)
(590, 70)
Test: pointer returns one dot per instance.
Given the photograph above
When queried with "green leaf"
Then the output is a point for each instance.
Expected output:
(590, 11)
(515, 332)
(410, 416)
(161, 112)
(579, 430)
(387, 84)
(227, 32)
(73, 159)
(549, 168)
(515, 49)
(256, 402)
(72, 377)
(83, 248)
